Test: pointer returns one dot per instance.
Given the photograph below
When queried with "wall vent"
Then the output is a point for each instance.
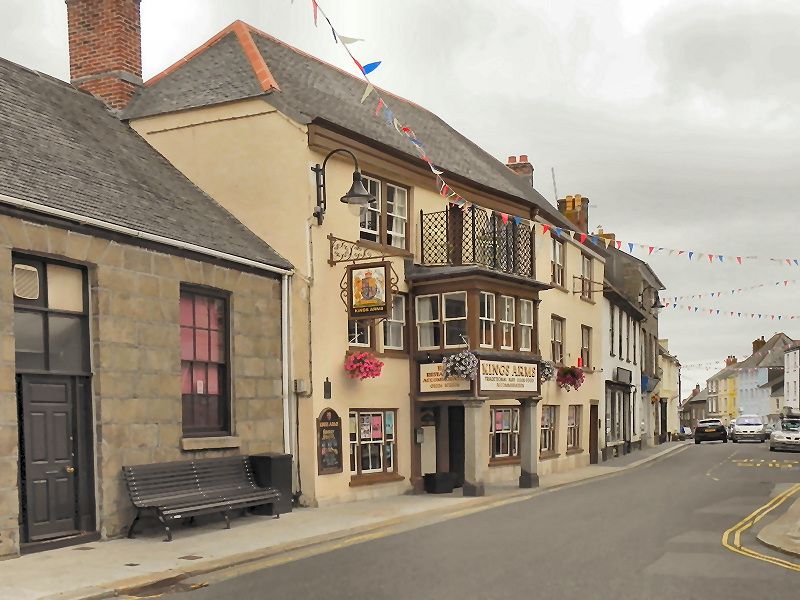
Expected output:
(26, 282)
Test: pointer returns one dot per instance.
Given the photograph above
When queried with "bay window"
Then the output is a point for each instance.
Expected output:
(454, 306)
(507, 323)
(429, 329)
(487, 320)
(526, 325)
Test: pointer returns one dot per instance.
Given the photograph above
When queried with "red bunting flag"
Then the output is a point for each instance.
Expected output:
(504, 218)
(583, 238)
(315, 8)
(681, 252)
(619, 244)
(379, 107)
(650, 249)
(545, 229)
(710, 258)
(739, 259)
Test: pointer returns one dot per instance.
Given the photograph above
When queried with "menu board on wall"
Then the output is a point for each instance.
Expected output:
(329, 442)
(432, 379)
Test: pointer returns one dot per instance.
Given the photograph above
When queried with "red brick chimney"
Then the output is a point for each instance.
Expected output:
(758, 344)
(576, 209)
(731, 360)
(521, 167)
(105, 48)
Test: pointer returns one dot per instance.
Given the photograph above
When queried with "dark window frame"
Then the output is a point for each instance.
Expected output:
(383, 215)
(225, 379)
(40, 306)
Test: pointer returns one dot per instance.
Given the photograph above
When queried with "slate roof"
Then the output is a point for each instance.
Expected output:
(700, 397)
(309, 90)
(770, 355)
(63, 149)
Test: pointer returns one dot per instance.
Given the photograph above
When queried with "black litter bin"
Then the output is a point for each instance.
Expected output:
(439, 483)
(272, 469)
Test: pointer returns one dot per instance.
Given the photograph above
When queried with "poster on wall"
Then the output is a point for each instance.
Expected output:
(329, 442)
(368, 290)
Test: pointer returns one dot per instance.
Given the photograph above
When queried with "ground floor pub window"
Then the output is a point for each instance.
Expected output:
(372, 441)
(504, 432)
(547, 445)
(614, 415)
(573, 427)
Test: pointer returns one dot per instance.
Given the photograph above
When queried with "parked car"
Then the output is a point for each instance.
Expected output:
(748, 427)
(786, 436)
(710, 429)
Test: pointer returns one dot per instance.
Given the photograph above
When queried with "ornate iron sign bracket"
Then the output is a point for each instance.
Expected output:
(347, 251)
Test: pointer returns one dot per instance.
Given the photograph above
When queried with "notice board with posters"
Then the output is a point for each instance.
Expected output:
(329, 442)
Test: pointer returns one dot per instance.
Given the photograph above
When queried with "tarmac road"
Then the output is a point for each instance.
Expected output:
(653, 532)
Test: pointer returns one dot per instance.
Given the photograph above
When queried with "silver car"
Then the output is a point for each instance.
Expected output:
(786, 436)
(748, 427)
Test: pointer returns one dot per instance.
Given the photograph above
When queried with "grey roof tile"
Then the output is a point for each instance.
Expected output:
(62, 149)
(314, 91)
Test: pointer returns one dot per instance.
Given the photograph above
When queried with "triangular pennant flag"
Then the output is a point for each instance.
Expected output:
(516, 220)
(583, 238)
(690, 254)
(350, 40)
(710, 257)
(397, 125)
(545, 228)
(789, 261)
(619, 245)
(436, 169)
(559, 231)
(367, 92)
(785, 282)
(796, 261)
(721, 258)
(595, 240)
(370, 67)
(717, 311)
(379, 107)
(739, 259)
(681, 252)
(650, 249)
(630, 247)
(504, 218)
(314, 8)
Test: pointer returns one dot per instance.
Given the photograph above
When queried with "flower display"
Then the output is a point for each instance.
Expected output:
(570, 377)
(547, 371)
(461, 365)
(362, 365)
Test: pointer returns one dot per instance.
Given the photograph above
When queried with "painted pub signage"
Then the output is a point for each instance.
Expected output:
(329, 442)
(368, 290)
(501, 376)
(432, 379)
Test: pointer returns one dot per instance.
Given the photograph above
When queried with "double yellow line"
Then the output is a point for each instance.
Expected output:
(750, 520)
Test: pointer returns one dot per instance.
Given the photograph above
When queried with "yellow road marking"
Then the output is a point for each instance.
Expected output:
(749, 521)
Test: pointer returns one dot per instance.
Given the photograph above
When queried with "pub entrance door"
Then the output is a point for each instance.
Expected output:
(53, 400)
(455, 417)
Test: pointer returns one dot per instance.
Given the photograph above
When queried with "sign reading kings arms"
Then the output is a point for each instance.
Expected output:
(369, 290)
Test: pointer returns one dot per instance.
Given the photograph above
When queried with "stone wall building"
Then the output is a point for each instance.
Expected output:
(141, 322)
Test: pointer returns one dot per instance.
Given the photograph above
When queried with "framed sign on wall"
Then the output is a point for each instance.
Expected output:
(329, 442)
(369, 290)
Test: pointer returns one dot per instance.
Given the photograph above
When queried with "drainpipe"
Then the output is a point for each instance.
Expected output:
(286, 324)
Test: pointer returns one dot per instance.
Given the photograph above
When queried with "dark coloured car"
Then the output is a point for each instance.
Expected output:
(709, 430)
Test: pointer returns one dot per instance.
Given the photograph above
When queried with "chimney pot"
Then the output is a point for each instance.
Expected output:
(521, 167)
(523, 158)
(512, 160)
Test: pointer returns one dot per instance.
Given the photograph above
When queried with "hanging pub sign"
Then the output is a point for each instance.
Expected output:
(329, 442)
(368, 290)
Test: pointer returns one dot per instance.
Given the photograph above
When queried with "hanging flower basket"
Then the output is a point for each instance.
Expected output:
(570, 377)
(547, 371)
(362, 365)
(462, 365)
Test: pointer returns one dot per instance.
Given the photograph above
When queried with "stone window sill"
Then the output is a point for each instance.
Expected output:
(574, 451)
(504, 461)
(548, 455)
(374, 478)
(210, 443)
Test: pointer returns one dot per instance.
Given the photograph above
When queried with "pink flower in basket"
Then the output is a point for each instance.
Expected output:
(362, 365)
(570, 377)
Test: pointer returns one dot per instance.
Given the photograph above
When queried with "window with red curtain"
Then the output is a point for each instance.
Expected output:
(204, 363)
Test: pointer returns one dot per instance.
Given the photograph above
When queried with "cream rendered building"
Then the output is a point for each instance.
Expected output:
(247, 119)
(669, 389)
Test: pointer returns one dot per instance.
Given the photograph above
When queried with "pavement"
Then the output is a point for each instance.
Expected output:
(783, 533)
(680, 527)
(122, 566)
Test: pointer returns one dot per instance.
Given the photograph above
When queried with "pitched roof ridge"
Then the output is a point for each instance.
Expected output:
(243, 35)
(270, 37)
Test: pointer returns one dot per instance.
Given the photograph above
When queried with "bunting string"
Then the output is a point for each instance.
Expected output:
(384, 111)
(720, 312)
(784, 283)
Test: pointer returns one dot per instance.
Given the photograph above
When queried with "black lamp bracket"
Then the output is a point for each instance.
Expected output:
(319, 173)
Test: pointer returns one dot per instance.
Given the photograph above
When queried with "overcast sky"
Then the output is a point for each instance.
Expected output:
(678, 118)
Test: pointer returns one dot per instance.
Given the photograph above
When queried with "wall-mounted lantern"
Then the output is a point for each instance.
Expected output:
(356, 197)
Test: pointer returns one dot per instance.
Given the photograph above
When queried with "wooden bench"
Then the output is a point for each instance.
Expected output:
(181, 489)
